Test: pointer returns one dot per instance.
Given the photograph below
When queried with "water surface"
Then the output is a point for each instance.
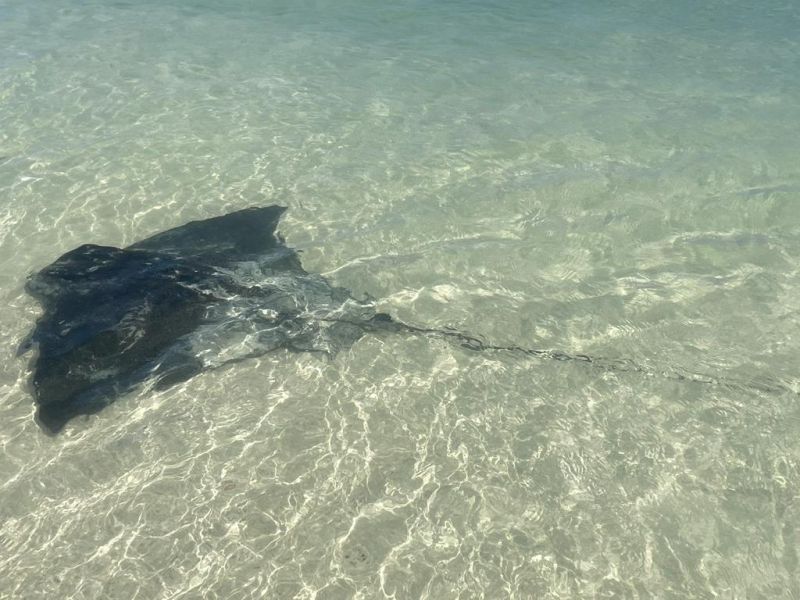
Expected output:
(618, 179)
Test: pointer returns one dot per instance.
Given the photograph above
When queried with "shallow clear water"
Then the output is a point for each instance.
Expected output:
(619, 179)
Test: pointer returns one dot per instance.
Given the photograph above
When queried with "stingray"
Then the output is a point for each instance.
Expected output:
(202, 295)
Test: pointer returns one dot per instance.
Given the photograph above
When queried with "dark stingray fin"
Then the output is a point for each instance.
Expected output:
(82, 267)
(175, 368)
(235, 237)
(54, 416)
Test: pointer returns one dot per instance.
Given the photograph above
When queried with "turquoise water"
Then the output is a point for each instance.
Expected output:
(619, 179)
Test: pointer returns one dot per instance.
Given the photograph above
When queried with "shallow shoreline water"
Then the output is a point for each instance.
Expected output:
(616, 180)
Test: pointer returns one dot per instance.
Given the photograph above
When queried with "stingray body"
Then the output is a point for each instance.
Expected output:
(202, 295)
(164, 309)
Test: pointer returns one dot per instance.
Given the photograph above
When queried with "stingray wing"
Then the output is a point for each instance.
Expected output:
(244, 235)
(110, 315)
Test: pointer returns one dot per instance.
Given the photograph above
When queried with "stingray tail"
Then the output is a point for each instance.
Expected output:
(384, 322)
